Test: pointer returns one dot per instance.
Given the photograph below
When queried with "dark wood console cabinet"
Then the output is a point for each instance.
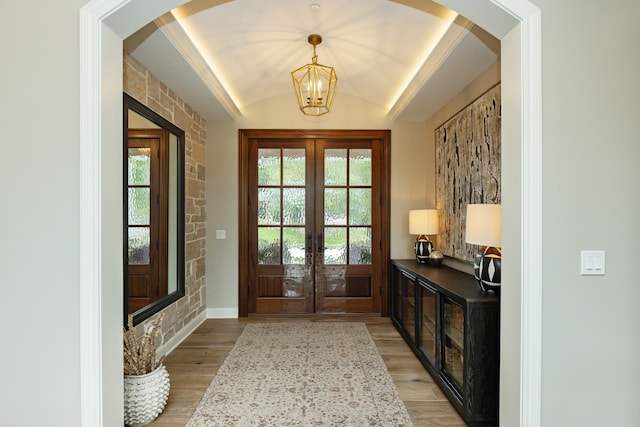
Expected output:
(454, 329)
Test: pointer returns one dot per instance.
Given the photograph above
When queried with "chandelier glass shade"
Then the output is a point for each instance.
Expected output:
(315, 84)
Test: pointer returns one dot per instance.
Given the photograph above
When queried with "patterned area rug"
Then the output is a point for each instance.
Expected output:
(302, 374)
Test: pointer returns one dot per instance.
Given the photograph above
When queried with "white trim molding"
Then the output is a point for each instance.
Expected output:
(531, 209)
(91, 409)
(182, 334)
(222, 313)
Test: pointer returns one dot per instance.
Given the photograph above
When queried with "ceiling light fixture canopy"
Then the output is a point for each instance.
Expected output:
(315, 84)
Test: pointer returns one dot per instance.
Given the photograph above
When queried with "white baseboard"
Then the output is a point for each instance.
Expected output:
(222, 313)
(210, 313)
(175, 340)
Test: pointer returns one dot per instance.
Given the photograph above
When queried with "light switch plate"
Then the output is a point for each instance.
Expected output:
(592, 263)
(221, 234)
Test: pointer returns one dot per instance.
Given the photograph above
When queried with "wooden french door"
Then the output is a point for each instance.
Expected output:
(314, 222)
(146, 216)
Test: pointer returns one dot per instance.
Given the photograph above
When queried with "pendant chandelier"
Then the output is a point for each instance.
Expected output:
(315, 84)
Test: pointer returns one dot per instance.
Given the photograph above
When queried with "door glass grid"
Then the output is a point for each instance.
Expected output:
(281, 206)
(139, 205)
(347, 206)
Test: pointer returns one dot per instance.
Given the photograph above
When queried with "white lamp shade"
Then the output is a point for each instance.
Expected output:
(484, 225)
(423, 221)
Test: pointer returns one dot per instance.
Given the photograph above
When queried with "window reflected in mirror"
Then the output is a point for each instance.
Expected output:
(153, 211)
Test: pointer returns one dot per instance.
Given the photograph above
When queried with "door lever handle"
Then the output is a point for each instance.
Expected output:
(309, 241)
(320, 246)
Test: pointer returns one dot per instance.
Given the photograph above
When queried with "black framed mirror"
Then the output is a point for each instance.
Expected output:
(153, 211)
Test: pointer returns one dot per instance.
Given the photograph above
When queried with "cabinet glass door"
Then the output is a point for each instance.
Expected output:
(409, 306)
(396, 297)
(428, 323)
(453, 340)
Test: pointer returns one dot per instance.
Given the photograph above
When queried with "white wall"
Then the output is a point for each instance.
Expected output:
(39, 212)
(590, 201)
(411, 161)
(111, 219)
(511, 323)
(591, 106)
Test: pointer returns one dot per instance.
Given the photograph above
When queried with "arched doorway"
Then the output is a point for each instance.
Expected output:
(104, 23)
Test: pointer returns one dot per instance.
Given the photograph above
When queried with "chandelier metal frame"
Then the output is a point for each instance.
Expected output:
(315, 84)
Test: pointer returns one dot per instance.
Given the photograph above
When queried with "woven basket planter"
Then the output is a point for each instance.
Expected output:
(145, 396)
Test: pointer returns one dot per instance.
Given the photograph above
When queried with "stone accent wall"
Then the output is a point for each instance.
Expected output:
(144, 87)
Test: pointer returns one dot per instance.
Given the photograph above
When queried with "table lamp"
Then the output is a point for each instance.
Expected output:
(423, 222)
(484, 227)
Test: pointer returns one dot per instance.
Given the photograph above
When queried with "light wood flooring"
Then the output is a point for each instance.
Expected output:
(195, 361)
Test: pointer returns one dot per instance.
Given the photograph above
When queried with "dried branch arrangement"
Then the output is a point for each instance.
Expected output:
(140, 356)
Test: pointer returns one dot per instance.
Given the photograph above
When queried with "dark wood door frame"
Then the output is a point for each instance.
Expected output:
(244, 209)
(149, 281)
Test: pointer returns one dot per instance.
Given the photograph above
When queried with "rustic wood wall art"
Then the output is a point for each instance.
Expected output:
(468, 151)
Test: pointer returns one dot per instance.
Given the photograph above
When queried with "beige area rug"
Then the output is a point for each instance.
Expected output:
(302, 374)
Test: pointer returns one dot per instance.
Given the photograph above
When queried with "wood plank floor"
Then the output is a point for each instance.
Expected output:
(195, 361)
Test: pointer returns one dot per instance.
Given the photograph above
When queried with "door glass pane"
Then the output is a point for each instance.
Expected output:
(335, 206)
(293, 202)
(280, 203)
(138, 245)
(335, 167)
(268, 245)
(139, 166)
(268, 166)
(268, 206)
(359, 245)
(360, 206)
(139, 208)
(293, 245)
(360, 167)
(293, 166)
(335, 243)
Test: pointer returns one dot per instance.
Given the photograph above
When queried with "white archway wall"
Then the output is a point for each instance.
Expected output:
(590, 65)
(99, 351)
(101, 381)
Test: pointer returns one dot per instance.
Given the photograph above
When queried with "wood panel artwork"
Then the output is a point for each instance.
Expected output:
(468, 169)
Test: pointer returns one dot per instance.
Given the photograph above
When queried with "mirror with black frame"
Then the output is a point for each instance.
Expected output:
(153, 211)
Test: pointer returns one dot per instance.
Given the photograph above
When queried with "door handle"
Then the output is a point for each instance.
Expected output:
(320, 246)
(309, 242)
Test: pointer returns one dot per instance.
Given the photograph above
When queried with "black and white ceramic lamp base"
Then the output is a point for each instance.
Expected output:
(423, 248)
(487, 269)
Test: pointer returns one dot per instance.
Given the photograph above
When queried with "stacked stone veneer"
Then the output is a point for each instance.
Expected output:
(144, 87)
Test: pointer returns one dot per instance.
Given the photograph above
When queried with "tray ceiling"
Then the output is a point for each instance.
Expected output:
(410, 57)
